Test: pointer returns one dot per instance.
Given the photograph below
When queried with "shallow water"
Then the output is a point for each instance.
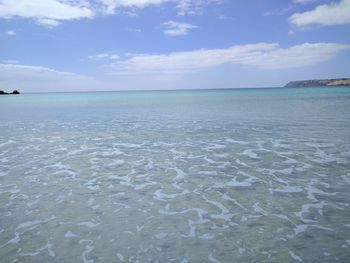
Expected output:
(176, 176)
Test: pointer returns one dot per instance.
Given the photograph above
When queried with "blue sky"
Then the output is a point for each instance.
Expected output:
(76, 45)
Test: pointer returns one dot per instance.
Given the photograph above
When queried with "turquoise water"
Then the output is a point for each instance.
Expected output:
(258, 175)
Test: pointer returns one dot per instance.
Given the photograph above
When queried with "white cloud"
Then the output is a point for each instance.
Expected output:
(261, 55)
(50, 23)
(303, 1)
(111, 5)
(35, 78)
(10, 33)
(51, 13)
(45, 12)
(194, 7)
(324, 15)
(174, 28)
(104, 56)
(184, 7)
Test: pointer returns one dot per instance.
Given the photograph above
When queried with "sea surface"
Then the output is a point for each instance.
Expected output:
(245, 175)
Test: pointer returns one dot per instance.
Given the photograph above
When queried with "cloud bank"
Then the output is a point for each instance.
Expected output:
(51, 13)
(261, 55)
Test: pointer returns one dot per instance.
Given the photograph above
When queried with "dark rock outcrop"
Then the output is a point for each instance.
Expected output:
(5, 93)
(319, 83)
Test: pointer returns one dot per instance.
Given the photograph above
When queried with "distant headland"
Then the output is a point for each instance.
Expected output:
(5, 93)
(319, 83)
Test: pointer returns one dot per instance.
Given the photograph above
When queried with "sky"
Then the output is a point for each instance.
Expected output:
(101, 45)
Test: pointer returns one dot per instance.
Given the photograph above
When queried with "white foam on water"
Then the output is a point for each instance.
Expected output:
(149, 165)
(311, 191)
(141, 186)
(294, 256)
(176, 152)
(192, 229)
(236, 141)
(221, 155)
(7, 143)
(279, 144)
(93, 187)
(347, 244)
(225, 213)
(306, 209)
(236, 183)
(69, 234)
(251, 154)
(159, 195)
(50, 251)
(11, 191)
(216, 146)
(206, 236)
(120, 257)
(346, 178)
(210, 173)
(259, 210)
(69, 172)
(14, 240)
(60, 166)
(139, 228)
(88, 224)
(21, 196)
(200, 213)
(94, 207)
(28, 224)
(211, 161)
(251, 178)
(270, 171)
(298, 229)
(88, 248)
(125, 180)
(226, 197)
(213, 259)
(323, 158)
(128, 145)
(161, 235)
(90, 201)
(116, 162)
(123, 205)
(284, 217)
(287, 189)
(180, 175)
(30, 204)
(303, 227)
(47, 247)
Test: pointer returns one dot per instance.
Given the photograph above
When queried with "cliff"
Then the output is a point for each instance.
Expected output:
(319, 83)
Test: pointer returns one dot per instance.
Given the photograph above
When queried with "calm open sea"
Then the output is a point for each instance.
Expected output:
(246, 175)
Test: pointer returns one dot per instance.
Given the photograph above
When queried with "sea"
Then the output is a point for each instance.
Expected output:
(240, 175)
